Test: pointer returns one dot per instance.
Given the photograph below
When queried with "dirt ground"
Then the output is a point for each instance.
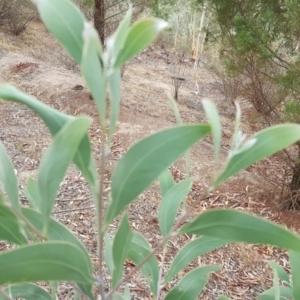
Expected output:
(35, 63)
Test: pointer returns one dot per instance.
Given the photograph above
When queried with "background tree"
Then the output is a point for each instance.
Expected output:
(108, 13)
(259, 44)
(99, 18)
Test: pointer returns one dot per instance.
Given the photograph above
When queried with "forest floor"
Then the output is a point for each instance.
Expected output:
(36, 64)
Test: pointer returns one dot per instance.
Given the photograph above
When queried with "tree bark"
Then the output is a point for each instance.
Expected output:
(99, 19)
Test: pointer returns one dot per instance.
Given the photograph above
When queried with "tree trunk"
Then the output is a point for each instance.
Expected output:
(294, 199)
(99, 18)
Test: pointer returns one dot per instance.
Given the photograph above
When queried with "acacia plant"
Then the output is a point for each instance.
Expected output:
(45, 250)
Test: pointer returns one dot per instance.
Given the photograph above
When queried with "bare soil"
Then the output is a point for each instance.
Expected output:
(35, 63)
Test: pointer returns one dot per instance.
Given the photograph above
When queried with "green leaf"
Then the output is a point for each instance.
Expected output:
(92, 69)
(117, 296)
(32, 192)
(139, 250)
(170, 204)
(175, 110)
(141, 34)
(27, 291)
(166, 181)
(115, 97)
(120, 248)
(237, 226)
(55, 120)
(8, 178)
(191, 285)
(223, 298)
(56, 261)
(10, 227)
(216, 129)
(65, 21)
(58, 232)
(192, 250)
(56, 160)
(295, 267)
(126, 293)
(76, 295)
(283, 276)
(285, 292)
(276, 286)
(108, 254)
(146, 160)
(261, 145)
(115, 43)
(125, 296)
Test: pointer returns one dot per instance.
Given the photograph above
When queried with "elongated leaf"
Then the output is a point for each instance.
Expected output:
(126, 293)
(55, 120)
(118, 296)
(92, 69)
(115, 43)
(216, 129)
(237, 226)
(115, 96)
(120, 248)
(108, 254)
(265, 143)
(65, 22)
(146, 160)
(141, 34)
(77, 295)
(32, 193)
(10, 227)
(166, 181)
(192, 250)
(175, 110)
(170, 204)
(285, 293)
(8, 178)
(27, 291)
(224, 298)
(58, 232)
(283, 276)
(138, 251)
(276, 286)
(295, 266)
(56, 261)
(56, 160)
(191, 285)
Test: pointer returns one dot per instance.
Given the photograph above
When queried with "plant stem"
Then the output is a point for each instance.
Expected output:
(100, 212)
(159, 286)
(138, 267)
(160, 244)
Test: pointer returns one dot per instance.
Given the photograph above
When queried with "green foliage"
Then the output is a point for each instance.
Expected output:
(28, 291)
(292, 111)
(278, 292)
(167, 146)
(45, 250)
